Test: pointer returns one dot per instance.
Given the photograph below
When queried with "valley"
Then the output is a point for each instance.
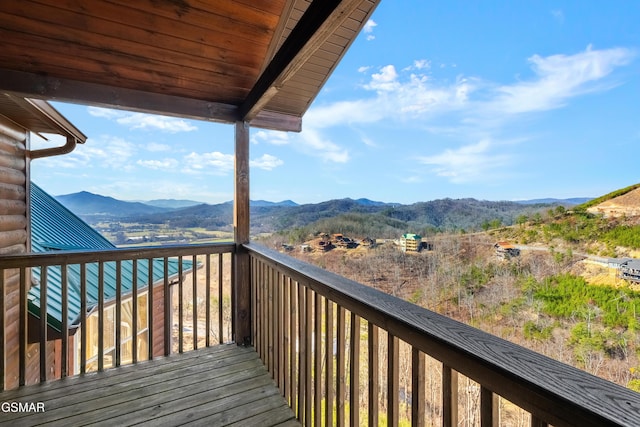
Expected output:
(558, 297)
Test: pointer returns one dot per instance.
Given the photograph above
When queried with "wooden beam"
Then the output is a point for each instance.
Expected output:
(51, 88)
(37, 86)
(242, 283)
(318, 23)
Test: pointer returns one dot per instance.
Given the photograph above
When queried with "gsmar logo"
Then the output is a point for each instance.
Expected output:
(22, 407)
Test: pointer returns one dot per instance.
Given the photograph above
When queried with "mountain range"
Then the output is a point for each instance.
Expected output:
(275, 216)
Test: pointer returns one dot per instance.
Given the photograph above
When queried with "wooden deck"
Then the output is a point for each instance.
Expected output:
(217, 386)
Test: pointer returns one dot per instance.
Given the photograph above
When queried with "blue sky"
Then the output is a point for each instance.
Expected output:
(494, 100)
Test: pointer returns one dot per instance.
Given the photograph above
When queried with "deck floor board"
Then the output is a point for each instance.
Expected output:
(221, 385)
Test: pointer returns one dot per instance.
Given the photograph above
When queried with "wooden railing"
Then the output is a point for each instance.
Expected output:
(181, 300)
(346, 354)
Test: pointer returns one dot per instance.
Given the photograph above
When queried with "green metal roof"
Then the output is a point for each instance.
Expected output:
(412, 236)
(54, 228)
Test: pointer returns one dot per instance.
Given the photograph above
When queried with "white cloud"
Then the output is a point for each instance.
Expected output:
(384, 81)
(413, 95)
(165, 164)
(559, 78)
(151, 122)
(468, 104)
(156, 147)
(143, 121)
(419, 64)
(312, 142)
(369, 26)
(368, 29)
(468, 163)
(104, 112)
(266, 162)
(271, 137)
(103, 152)
(214, 163)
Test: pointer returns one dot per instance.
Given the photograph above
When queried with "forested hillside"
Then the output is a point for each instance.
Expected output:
(554, 298)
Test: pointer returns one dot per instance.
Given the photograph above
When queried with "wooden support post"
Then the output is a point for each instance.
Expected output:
(242, 282)
(489, 415)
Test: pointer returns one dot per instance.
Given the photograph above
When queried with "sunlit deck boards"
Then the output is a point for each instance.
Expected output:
(222, 385)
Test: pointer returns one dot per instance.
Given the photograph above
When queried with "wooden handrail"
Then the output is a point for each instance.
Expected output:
(86, 256)
(549, 390)
(71, 269)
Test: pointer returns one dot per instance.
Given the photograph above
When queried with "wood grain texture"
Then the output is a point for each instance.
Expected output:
(550, 390)
(219, 385)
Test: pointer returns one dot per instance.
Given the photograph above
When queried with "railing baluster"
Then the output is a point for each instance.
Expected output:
(194, 300)
(180, 308)
(286, 338)
(134, 311)
(270, 318)
(302, 373)
(417, 388)
(43, 323)
(207, 298)
(329, 354)
(64, 348)
(374, 374)
(100, 316)
(281, 333)
(293, 350)
(220, 301)
(260, 309)
(167, 308)
(83, 318)
(150, 309)
(274, 322)
(308, 354)
(489, 416)
(393, 380)
(22, 375)
(317, 368)
(340, 367)
(354, 371)
(233, 297)
(118, 325)
(262, 286)
(449, 397)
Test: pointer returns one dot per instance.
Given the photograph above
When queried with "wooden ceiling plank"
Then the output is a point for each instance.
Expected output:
(274, 7)
(55, 24)
(210, 26)
(245, 12)
(194, 25)
(69, 65)
(316, 25)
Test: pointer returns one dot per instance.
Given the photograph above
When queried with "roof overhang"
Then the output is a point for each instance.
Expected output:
(260, 62)
(38, 116)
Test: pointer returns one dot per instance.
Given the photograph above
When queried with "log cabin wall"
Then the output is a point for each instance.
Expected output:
(13, 235)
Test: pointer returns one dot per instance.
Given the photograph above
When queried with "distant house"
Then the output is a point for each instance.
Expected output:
(617, 262)
(54, 228)
(410, 242)
(368, 241)
(630, 270)
(342, 241)
(506, 250)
